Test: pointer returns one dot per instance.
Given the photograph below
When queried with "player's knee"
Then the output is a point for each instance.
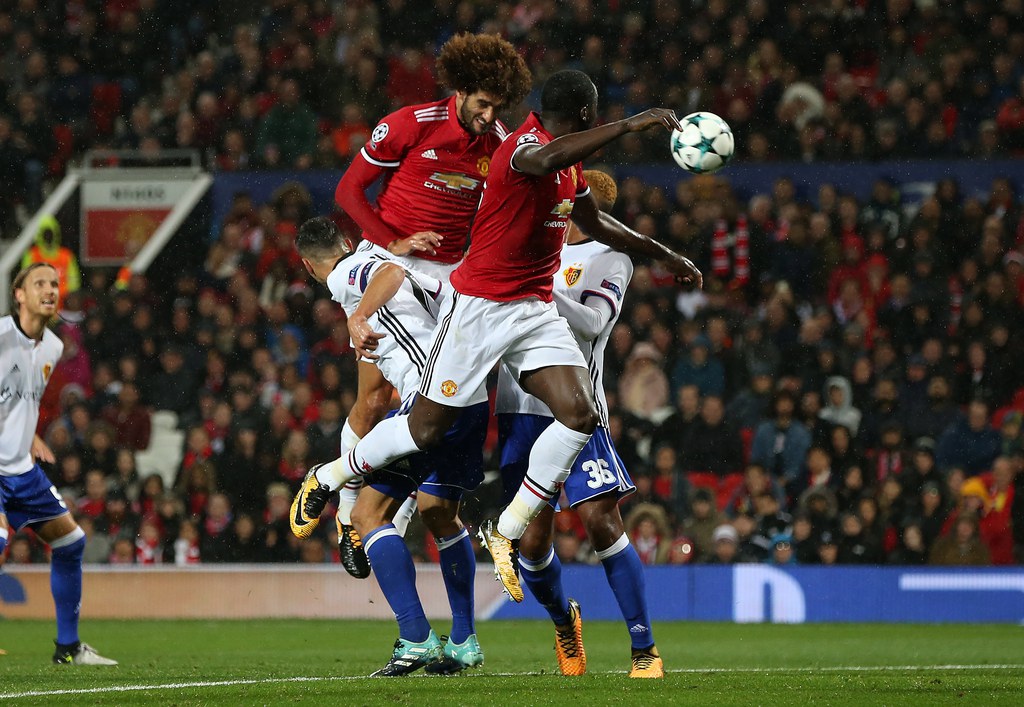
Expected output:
(440, 521)
(3, 540)
(427, 435)
(68, 549)
(582, 418)
(603, 531)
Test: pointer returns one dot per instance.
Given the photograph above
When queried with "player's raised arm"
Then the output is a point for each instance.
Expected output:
(569, 149)
(350, 195)
(615, 234)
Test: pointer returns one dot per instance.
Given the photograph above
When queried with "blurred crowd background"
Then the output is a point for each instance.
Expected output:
(843, 390)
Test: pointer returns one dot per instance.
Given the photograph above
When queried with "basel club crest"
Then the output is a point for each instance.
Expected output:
(572, 274)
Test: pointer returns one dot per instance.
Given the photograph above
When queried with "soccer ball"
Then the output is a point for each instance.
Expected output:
(704, 144)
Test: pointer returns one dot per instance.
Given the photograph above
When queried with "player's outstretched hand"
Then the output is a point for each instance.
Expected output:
(364, 339)
(649, 118)
(685, 270)
(427, 241)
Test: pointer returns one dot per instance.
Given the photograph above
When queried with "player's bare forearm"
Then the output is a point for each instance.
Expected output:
(567, 150)
(382, 287)
(615, 234)
(572, 148)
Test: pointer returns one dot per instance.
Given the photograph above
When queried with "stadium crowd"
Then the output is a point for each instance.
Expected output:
(299, 83)
(843, 390)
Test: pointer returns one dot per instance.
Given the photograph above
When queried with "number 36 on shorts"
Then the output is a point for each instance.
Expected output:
(600, 473)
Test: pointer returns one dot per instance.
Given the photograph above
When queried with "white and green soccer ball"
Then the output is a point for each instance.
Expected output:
(704, 145)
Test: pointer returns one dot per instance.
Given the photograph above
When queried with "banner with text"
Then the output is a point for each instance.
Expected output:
(118, 217)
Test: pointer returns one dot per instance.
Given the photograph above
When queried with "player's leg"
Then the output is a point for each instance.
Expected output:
(417, 644)
(598, 482)
(569, 394)
(458, 567)
(390, 440)
(67, 543)
(542, 574)
(373, 400)
(30, 499)
(625, 574)
(471, 335)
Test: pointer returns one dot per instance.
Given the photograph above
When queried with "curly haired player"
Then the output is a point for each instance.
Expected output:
(433, 159)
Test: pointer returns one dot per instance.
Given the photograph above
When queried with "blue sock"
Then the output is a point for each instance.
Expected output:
(626, 578)
(544, 579)
(396, 574)
(458, 567)
(66, 585)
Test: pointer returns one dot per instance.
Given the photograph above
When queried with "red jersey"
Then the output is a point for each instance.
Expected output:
(520, 226)
(437, 173)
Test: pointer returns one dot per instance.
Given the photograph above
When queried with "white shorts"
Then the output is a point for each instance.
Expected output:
(474, 333)
(436, 270)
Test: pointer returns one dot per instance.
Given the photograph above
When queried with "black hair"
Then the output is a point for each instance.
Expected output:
(319, 237)
(566, 92)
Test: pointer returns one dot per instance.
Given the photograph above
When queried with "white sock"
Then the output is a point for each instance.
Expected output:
(348, 493)
(349, 438)
(404, 514)
(388, 441)
(551, 459)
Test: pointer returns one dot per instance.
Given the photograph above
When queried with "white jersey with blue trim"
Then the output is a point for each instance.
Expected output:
(25, 368)
(408, 319)
(588, 290)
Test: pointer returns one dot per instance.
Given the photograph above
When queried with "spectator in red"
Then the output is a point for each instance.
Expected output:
(410, 78)
(129, 418)
(712, 444)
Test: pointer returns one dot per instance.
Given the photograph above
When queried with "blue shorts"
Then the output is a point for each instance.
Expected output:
(29, 498)
(448, 470)
(598, 469)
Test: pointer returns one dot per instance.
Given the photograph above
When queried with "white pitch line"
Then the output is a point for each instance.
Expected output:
(690, 671)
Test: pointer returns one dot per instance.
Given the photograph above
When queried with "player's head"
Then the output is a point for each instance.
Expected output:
(569, 96)
(603, 186)
(321, 244)
(35, 291)
(487, 75)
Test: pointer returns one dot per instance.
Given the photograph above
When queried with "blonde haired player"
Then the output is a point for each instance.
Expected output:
(29, 352)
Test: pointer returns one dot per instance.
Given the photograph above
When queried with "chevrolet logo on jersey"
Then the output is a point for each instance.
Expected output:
(563, 209)
(455, 181)
(572, 274)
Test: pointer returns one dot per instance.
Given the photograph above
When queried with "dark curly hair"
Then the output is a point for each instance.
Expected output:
(484, 62)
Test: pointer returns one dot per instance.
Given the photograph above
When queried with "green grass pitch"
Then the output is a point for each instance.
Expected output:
(276, 662)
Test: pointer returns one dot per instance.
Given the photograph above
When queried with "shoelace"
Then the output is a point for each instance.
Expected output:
(317, 495)
(353, 537)
(643, 661)
(567, 640)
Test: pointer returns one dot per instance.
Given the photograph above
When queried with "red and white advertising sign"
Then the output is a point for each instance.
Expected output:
(118, 217)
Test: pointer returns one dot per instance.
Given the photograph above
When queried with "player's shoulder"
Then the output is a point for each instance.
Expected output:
(7, 324)
(53, 342)
(421, 118)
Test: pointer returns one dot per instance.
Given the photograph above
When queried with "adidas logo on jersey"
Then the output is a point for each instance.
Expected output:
(429, 154)
(15, 369)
